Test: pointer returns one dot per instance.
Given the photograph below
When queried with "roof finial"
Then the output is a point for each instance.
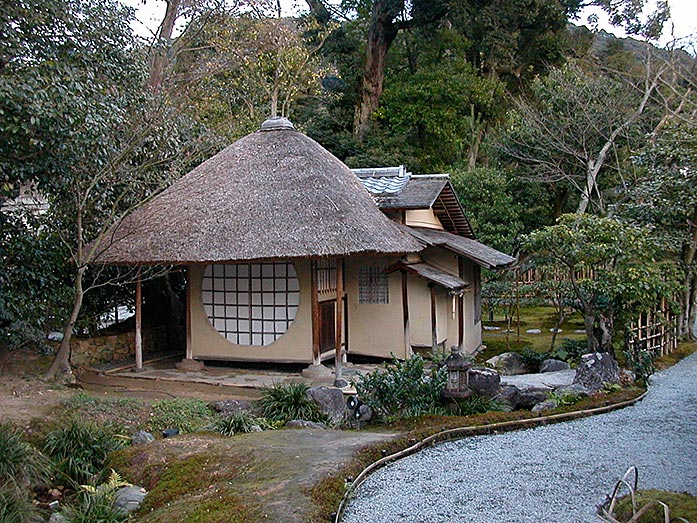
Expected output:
(277, 123)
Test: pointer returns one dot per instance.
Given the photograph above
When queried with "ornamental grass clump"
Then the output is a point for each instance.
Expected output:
(79, 449)
(185, 414)
(283, 402)
(21, 465)
(96, 504)
(240, 423)
(403, 389)
(16, 506)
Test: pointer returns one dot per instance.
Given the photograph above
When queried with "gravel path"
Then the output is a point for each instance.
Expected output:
(552, 474)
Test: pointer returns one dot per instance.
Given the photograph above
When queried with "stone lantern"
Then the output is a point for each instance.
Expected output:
(458, 367)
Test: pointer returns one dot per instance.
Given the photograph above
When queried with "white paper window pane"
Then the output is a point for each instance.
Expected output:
(256, 312)
(231, 337)
(219, 271)
(243, 299)
(243, 338)
(231, 298)
(230, 312)
(243, 325)
(243, 312)
(256, 285)
(231, 284)
(293, 298)
(207, 297)
(280, 285)
(231, 325)
(207, 284)
(255, 269)
(281, 326)
(257, 339)
(267, 270)
(267, 299)
(209, 309)
(293, 284)
(243, 285)
(268, 313)
(243, 271)
(219, 311)
(280, 313)
(256, 326)
(219, 325)
(280, 270)
(269, 326)
(292, 311)
(267, 285)
(269, 339)
(256, 299)
(218, 284)
(281, 299)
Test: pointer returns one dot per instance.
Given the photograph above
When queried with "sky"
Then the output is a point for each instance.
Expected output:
(683, 21)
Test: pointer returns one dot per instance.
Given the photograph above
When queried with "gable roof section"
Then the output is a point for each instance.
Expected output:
(432, 274)
(481, 254)
(395, 189)
(273, 194)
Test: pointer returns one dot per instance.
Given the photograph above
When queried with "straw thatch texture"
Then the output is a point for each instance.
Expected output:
(273, 194)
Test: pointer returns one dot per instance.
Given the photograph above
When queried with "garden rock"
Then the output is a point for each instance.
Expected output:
(142, 438)
(574, 388)
(544, 405)
(57, 518)
(528, 397)
(533, 331)
(190, 365)
(330, 400)
(509, 395)
(302, 424)
(128, 499)
(232, 407)
(484, 382)
(317, 372)
(508, 363)
(366, 413)
(552, 365)
(596, 369)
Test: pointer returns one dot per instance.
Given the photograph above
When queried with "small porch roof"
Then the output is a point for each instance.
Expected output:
(481, 254)
(432, 274)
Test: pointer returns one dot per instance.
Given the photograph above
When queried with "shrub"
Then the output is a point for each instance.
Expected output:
(80, 449)
(96, 504)
(682, 505)
(20, 463)
(16, 507)
(289, 401)
(185, 414)
(565, 398)
(240, 423)
(403, 389)
(532, 358)
(476, 404)
(570, 350)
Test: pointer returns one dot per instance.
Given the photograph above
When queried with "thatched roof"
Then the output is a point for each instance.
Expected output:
(273, 194)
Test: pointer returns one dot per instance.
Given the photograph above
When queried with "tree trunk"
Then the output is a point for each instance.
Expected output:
(319, 10)
(381, 34)
(606, 327)
(159, 60)
(692, 315)
(687, 313)
(589, 322)
(61, 363)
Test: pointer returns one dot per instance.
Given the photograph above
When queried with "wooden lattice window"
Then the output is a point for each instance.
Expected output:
(373, 285)
(326, 276)
(251, 303)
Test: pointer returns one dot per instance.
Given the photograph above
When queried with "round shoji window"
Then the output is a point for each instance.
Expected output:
(251, 303)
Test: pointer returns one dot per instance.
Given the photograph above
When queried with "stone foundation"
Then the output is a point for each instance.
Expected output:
(104, 349)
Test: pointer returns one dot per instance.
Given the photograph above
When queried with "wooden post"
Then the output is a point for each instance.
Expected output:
(139, 323)
(314, 301)
(460, 321)
(434, 323)
(405, 315)
(189, 294)
(339, 317)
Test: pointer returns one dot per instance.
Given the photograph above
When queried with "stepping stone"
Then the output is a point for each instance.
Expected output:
(533, 331)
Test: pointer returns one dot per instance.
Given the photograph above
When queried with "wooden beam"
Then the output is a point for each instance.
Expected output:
(139, 323)
(189, 294)
(339, 317)
(405, 316)
(434, 323)
(460, 321)
(314, 301)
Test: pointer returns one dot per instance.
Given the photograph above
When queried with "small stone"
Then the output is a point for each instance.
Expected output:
(544, 405)
(533, 331)
(190, 365)
(528, 397)
(57, 518)
(366, 413)
(317, 372)
(330, 401)
(552, 365)
(341, 383)
(232, 407)
(54, 493)
(54, 505)
(509, 395)
(170, 433)
(484, 382)
(128, 499)
(597, 369)
(491, 328)
(142, 438)
(302, 424)
(508, 364)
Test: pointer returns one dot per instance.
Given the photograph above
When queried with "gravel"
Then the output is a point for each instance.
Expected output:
(556, 474)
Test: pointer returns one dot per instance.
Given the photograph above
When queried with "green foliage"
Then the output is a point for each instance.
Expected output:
(682, 505)
(125, 414)
(241, 423)
(80, 449)
(402, 389)
(21, 465)
(565, 398)
(642, 362)
(478, 405)
(491, 208)
(185, 414)
(532, 358)
(289, 401)
(96, 504)
(16, 506)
